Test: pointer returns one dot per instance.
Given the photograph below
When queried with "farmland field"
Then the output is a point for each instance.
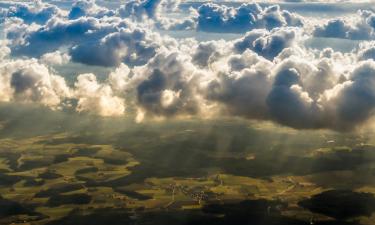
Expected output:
(186, 172)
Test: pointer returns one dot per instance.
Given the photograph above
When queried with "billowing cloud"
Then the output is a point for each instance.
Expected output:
(29, 81)
(166, 86)
(353, 101)
(208, 52)
(288, 102)
(93, 97)
(106, 41)
(360, 27)
(267, 43)
(59, 32)
(133, 46)
(242, 90)
(153, 11)
(366, 51)
(119, 78)
(220, 18)
(37, 12)
(55, 58)
(299, 93)
(86, 8)
(141, 9)
(4, 50)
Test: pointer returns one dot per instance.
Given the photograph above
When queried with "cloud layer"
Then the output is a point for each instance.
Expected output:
(266, 73)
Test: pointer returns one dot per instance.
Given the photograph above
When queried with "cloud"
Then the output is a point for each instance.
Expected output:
(220, 18)
(238, 62)
(366, 51)
(360, 27)
(153, 12)
(55, 58)
(267, 43)
(93, 97)
(106, 41)
(243, 93)
(4, 50)
(166, 85)
(29, 81)
(256, 88)
(299, 90)
(119, 78)
(352, 102)
(60, 32)
(165, 23)
(37, 12)
(132, 46)
(141, 9)
(87, 8)
(288, 103)
(207, 52)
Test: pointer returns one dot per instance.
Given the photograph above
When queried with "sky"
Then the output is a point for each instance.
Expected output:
(301, 64)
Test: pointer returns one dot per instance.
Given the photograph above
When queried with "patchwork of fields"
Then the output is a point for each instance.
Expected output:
(186, 174)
